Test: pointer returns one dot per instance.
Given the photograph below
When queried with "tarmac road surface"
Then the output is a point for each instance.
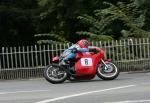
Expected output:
(127, 88)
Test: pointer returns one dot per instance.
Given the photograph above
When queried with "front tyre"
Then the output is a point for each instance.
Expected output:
(55, 74)
(107, 73)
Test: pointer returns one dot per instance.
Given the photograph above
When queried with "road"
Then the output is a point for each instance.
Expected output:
(127, 88)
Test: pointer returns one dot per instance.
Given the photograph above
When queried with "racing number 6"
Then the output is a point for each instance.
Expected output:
(86, 62)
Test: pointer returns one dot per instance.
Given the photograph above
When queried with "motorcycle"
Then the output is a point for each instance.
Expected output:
(84, 67)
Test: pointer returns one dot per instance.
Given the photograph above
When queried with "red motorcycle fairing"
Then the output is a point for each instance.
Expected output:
(108, 60)
(86, 66)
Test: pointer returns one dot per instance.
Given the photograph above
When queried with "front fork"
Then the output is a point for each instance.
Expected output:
(105, 63)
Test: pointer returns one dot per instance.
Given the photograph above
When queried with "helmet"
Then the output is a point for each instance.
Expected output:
(83, 43)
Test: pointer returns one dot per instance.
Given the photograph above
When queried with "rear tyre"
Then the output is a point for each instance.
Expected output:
(55, 74)
(107, 73)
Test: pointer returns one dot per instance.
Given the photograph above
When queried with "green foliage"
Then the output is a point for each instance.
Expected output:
(144, 6)
(62, 15)
(71, 20)
(123, 17)
(94, 37)
(49, 39)
(17, 22)
(42, 2)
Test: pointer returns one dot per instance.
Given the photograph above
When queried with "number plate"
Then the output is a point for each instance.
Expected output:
(86, 62)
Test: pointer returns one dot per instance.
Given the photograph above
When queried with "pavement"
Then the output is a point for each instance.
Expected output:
(127, 88)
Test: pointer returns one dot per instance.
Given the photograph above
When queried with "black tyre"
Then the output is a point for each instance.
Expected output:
(107, 73)
(55, 74)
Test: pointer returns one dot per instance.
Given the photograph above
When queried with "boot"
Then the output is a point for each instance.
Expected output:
(72, 70)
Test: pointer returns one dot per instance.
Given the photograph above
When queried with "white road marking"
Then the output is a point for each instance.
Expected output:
(136, 101)
(84, 93)
(2, 93)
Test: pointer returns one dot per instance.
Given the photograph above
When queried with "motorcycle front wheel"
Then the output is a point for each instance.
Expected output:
(54, 73)
(108, 72)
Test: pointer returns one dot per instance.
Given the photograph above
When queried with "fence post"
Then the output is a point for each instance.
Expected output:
(113, 48)
(40, 48)
(121, 51)
(11, 52)
(64, 47)
(144, 49)
(92, 43)
(140, 43)
(24, 61)
(148, 48)
(105, 47)
(28, 57)
(96, 44)
(52, 45)
(125, 51)
(16, 63)
(117, 51)
(100, 43)
(36, 57)
(20, 61)
(131, 48)
(56, 49)
(49, 59)
(109, 50)
(136, 49)
(7, 54)
(32, 56)
(133, 45)
(44, 55)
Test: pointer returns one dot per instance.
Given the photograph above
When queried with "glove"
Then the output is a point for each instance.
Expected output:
(74, 50)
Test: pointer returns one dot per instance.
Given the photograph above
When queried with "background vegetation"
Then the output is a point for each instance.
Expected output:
(25, 22)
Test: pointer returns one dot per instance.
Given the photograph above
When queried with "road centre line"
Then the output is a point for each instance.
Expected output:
(2, 93)
(84, 93)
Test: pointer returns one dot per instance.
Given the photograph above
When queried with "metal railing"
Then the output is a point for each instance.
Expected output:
(29, 61)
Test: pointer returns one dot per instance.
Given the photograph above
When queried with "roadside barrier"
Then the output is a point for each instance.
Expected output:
(29, 61)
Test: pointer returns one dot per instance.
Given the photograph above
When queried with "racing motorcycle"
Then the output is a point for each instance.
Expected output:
(84, 67)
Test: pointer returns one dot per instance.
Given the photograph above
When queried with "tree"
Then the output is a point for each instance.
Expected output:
(144, 7)
(118, 21)
(70, 20)
(17, 22)
(62, 16)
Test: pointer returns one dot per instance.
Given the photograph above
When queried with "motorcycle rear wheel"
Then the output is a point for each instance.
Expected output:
(54, 73)
(108, 73)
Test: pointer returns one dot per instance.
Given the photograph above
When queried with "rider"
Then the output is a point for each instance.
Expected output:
(70, 53)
